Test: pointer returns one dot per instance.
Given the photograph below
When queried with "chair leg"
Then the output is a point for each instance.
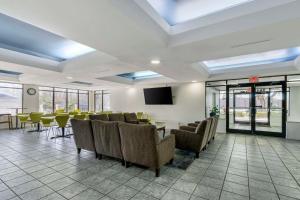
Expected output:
(157, 172)
(123, 162)
(96, 155)
(100, 156)
(197, 154)
(126, 164)
(78, 150)
(171, 161)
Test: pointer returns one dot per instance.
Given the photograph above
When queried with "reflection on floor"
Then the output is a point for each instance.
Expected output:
(233, 167)
(275, 129)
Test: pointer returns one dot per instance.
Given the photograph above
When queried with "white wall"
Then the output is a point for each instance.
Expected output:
(189, 104)
(30, 102)
(294, 114)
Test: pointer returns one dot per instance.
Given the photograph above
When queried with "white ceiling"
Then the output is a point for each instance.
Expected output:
(128, 35)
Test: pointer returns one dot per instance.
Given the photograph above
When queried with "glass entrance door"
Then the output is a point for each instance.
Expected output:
(256, 108)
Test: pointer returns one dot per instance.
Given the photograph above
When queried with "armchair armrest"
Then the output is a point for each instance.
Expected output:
(193, 124)
(188, 128)
(187, 140)
(165, 150)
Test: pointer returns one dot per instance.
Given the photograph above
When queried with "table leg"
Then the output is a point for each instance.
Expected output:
(164, 132)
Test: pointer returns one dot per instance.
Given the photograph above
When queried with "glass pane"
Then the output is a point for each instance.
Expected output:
(72, 100)
(268, 115)
(98, 102)
(239, 108)
(84, 102)
(11, 85)
(106, 102)
(46, 101)
(10, 99)
(60, 100)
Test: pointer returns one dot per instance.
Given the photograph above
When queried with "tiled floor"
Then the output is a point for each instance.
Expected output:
(233, 167)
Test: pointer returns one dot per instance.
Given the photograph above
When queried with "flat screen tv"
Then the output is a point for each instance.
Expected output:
(158, 96)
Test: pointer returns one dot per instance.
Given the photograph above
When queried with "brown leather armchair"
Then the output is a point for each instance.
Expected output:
(102, 117)
(107, 139)
(193, 140)
(83, 135)
(141, 145)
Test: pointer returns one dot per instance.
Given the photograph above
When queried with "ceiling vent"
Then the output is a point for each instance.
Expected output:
(81, 83)
(250, 43)
(9, 73)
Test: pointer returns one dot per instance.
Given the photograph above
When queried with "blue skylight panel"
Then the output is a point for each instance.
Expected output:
(179, 11)
(25, 38)
(140, 75)
(269, 57)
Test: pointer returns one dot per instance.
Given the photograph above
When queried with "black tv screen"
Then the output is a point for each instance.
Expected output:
(158, 96)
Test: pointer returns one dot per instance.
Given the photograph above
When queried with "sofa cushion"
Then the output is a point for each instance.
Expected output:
(102, 117)
(131, 118)
(116, 117)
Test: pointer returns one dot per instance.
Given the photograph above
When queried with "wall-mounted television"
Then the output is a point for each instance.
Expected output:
(158, 96)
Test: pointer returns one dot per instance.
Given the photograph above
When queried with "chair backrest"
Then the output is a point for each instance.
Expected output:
(131, 118)
(215, 126)
(116, 117)
(139, 115)
(83, 134)
(23, 117)
(62, 120)
(102, 117)
(47, 120)
(107, 138)
(60, 110)
(212, 128)
(139, 144)
(35, 117)
(206, 132)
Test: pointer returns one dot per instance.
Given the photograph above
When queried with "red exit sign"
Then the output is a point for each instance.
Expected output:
(253, 79)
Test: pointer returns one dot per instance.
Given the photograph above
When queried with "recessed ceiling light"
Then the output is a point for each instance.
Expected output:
(69, 77)
(155, 62)
(194, 81)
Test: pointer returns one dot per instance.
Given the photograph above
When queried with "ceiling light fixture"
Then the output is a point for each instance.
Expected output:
(155, 62)
(194, 81)
(69, 77)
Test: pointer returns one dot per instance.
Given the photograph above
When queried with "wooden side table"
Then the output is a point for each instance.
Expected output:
(7, 121)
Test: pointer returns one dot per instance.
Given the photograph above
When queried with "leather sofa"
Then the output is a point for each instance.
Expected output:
(141, 145)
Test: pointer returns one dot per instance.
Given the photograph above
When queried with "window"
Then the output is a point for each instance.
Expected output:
(84, 100)
(102, 101)
(39, 42)
(72, 100)
(269, 57)
(60, 96)
(140, 75)
(11, 98)
(46, 99)
(98, 101)
(180, 11)
(106, 101)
